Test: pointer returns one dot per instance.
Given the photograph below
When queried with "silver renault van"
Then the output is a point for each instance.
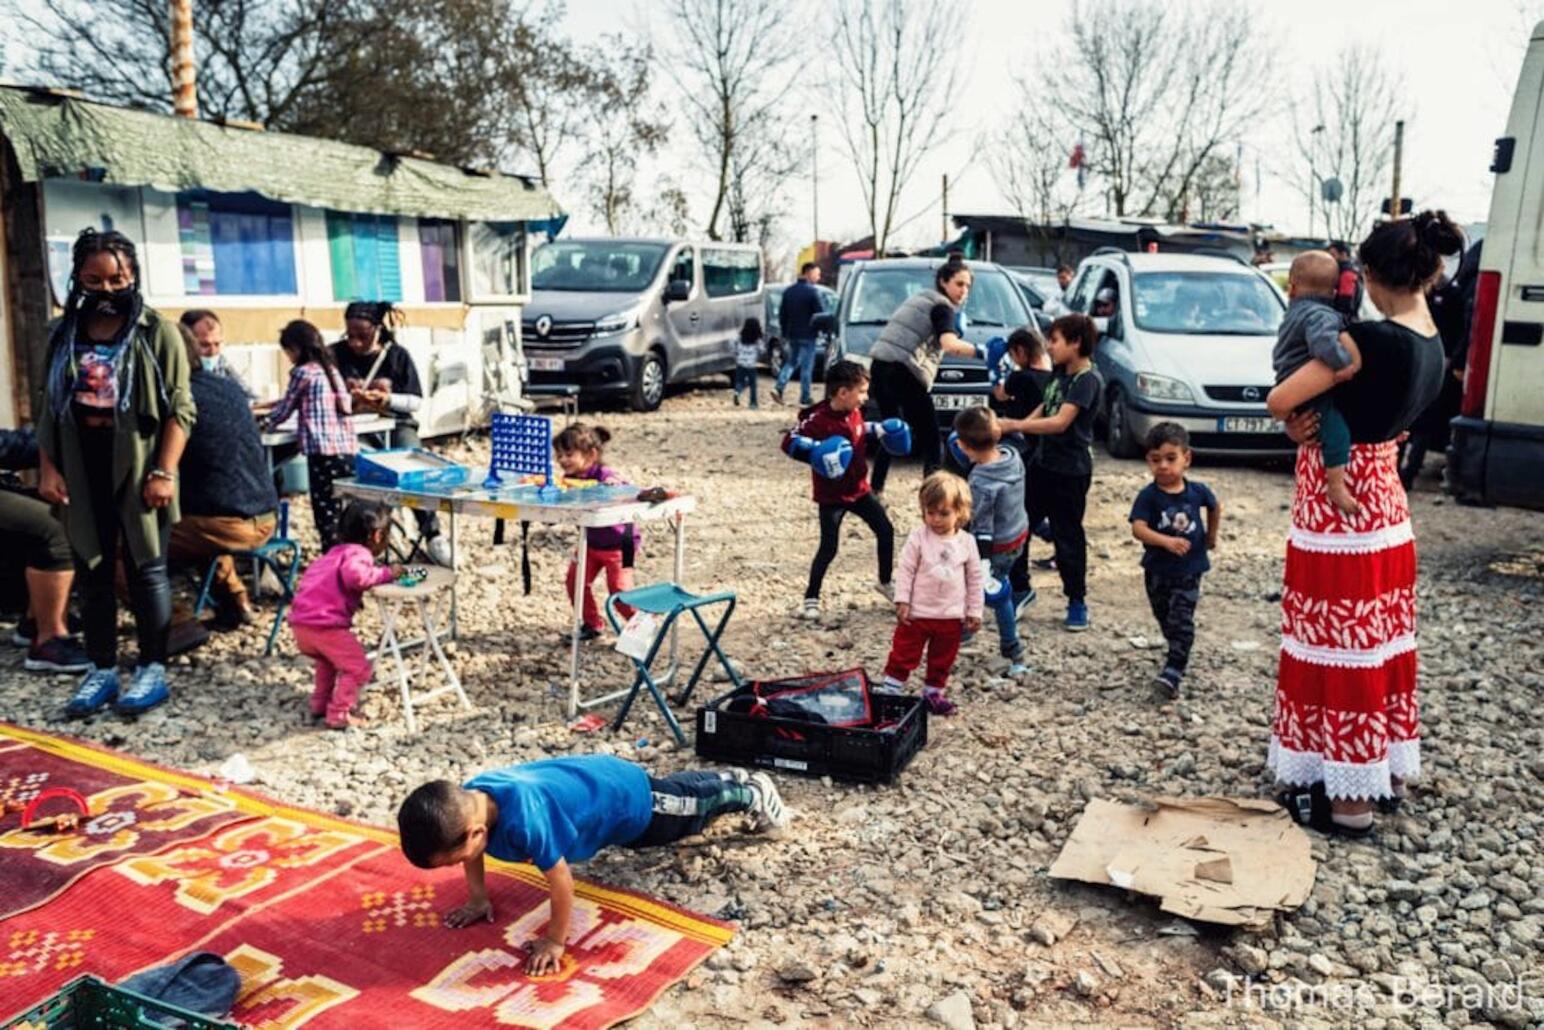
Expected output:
(626, 317)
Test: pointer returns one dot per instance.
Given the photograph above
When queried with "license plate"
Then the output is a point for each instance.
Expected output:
(546, 364)
(957, 401)
(1249, 424)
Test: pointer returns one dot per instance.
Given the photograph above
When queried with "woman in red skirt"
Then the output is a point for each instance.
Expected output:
(1346, 731)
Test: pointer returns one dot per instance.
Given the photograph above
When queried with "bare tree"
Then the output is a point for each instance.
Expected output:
(1029, 158)
(625, 126)
(1159, 89)
(1344, 129)
(552, 89)
(895, 75)
(730, 69)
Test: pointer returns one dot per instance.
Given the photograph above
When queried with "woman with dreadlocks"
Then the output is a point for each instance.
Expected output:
(113, 415)
(382, 378)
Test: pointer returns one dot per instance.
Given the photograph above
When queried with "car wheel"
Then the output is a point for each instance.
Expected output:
(774, 357)
(1118, 439)
(649, 384)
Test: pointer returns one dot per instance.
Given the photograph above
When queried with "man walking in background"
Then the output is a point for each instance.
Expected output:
(801, 303)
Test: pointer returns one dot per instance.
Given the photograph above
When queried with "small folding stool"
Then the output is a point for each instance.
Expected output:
(428, 597)
(280, 555)
(670, 600)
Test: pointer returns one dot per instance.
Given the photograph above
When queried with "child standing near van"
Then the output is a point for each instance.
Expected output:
(1062, 469)
(609, 549)
(747, 359)
(1176, 519)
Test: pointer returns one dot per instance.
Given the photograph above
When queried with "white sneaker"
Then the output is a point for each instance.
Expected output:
(438, 550)
(810, 609)
(767, 812)
(886, 590)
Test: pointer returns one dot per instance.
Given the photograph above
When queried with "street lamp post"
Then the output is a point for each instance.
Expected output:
(1313, 174)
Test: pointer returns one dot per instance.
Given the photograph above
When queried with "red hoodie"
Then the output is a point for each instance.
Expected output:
(819, 422)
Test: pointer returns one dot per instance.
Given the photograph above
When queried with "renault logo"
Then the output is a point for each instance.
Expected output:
(1251, 393)
(543, 325)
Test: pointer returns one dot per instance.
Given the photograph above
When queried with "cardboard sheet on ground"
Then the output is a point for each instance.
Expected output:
(1232, 861)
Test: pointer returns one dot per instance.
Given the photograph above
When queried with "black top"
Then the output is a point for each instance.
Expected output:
(1177, 514)
(1067, 452)
(1025, 389)
(1401, 374)
(397, 373)
(801, 303)
(224, 470)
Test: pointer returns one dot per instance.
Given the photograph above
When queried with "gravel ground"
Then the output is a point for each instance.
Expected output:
(928, 902)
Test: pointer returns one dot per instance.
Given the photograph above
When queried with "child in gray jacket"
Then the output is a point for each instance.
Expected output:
(998, 519)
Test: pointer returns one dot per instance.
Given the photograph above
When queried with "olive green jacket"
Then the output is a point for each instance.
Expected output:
(161, 358)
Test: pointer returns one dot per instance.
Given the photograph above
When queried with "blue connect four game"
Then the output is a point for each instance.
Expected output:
(522, 446)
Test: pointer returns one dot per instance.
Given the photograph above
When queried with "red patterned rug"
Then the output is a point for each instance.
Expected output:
(328, 925)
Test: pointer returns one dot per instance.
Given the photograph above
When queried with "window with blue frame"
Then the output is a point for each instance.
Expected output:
(366, 264)
(235, 244)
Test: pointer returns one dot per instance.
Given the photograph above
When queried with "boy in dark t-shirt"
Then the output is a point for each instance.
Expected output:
(1176, 519)
(560, 811)
(1061, 470)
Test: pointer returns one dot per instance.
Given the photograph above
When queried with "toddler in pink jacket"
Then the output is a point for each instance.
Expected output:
(937, 591)
(322, 616)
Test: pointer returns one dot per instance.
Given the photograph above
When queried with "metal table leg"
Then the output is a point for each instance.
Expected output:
(573, 644)
(455, 625)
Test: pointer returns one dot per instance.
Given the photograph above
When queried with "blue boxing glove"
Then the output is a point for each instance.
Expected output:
(956, 452)
(800, 447)
(994, 590)
(831, 457)
(996, 352)
(893, 435)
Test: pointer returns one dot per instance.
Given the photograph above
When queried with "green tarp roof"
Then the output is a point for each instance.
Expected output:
(61, 137)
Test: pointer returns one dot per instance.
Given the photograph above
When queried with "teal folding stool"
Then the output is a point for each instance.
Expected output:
(670, 601)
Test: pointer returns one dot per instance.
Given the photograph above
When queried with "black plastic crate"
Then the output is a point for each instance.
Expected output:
(87, 1002)
(815, 749)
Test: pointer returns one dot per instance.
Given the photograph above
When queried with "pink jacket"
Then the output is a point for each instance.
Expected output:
(939, 576)
(333, 587)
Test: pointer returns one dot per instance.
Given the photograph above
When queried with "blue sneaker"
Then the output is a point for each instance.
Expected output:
(1024, 600)
(1017, 669)
(97, 688)
(147, 690)
(1077, 616)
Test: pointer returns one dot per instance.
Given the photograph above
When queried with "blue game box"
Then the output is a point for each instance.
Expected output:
(408, 468)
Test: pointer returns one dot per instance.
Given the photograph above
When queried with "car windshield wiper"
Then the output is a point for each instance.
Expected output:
(868, 321)
(982, 321)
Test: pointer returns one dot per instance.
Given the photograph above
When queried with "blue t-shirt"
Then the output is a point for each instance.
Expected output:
(565, 808)
(1175, 515)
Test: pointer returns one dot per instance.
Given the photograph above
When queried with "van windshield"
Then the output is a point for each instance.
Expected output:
(993, 301)
(1210, 303)
(596, 267)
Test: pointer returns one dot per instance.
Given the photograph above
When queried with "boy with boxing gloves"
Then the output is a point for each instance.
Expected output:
(830, 437)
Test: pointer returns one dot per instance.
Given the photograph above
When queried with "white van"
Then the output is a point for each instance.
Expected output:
(1497, 453)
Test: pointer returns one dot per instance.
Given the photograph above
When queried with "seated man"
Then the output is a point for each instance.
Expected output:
(30, 534)
(228, 498)
(209, 334)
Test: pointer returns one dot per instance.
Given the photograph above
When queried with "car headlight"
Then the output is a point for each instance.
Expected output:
(1162, 388)
(616, 323)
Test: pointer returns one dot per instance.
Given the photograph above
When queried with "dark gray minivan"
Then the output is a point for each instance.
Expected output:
(626, 317)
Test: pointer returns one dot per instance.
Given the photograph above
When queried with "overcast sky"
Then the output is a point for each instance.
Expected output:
(1459, 60)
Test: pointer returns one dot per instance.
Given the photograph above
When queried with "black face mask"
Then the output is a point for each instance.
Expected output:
(109, 303)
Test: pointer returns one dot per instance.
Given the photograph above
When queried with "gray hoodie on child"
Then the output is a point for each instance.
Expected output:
(997, 513)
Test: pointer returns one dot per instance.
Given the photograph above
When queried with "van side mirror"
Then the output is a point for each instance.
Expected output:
(677, 290)
(824, 324)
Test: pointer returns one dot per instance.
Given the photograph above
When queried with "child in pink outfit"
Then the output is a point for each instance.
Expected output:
(322, 616)
(937, 592)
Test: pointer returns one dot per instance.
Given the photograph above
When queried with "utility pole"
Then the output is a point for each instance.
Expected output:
(184, 85)
(815, 177)
(1399, 151)
(1313, 176)
(944, 235)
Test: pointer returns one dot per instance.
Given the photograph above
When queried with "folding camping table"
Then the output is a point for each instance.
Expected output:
(581, 508)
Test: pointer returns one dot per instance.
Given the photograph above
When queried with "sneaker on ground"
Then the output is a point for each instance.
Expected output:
(438, 550)
(146, 690)
(96, 689)
(886, 590)
(587, 633)
(1045, 563)
(25, 632)
(888, 686)
(937, 702)
(737, 400)
(1023, 601)
(61, 654)
(810, 609)
(1017, 669)
(1077, 616)
(777, 395)
(767, 811)
(736, 775)
(1167, 681)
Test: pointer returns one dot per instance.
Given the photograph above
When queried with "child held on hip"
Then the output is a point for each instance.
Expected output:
(609, 549)
(937, 591)
(1313, 331)
(330, 594)
(831, 435)
(559, 811)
